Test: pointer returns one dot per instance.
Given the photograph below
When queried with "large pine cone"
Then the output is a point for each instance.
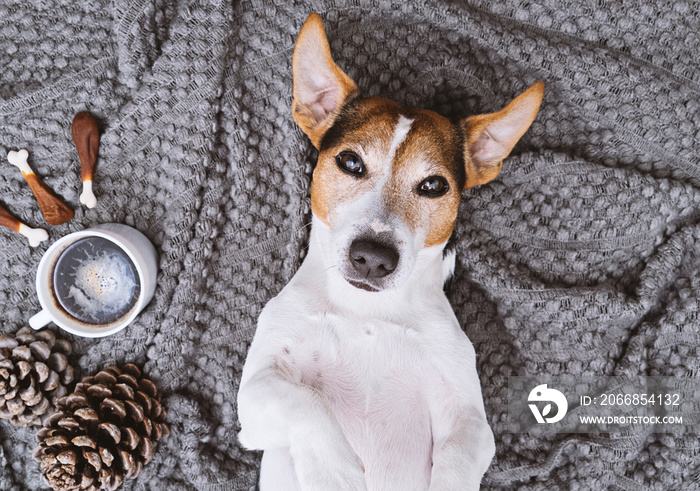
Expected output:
(34, 373)
(103, 432)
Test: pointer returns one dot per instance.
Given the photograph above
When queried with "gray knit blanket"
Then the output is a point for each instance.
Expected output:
(582, 258)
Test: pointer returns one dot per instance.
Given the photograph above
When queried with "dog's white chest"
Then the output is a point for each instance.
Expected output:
(378, 381)
(349, 389)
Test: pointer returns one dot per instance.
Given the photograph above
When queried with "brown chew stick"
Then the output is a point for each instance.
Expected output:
(86, 136)
(34, 235)
(7, 220)
(55, 211)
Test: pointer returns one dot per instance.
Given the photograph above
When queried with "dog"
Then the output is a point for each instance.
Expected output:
(359, 376)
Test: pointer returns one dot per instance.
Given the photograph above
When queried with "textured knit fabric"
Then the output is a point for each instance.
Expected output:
(581, 258)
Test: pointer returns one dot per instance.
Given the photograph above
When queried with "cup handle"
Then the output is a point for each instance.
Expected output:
(39, 320)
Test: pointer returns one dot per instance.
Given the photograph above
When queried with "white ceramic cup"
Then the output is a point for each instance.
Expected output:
(133, 243)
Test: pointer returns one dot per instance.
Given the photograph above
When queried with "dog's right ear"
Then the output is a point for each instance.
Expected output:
(320, 87)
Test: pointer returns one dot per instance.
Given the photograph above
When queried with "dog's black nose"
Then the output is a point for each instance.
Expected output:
(372, 259)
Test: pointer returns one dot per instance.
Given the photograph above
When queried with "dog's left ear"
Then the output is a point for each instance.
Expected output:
(320, 87)
(489, 138)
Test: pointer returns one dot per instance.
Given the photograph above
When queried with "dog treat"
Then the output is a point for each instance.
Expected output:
(35, 235)
(55, 211)
(86, 136)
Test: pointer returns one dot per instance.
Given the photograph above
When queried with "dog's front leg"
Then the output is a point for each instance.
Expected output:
(277, 413)
(462, 452)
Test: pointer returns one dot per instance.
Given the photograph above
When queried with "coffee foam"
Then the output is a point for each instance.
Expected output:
(103, 286)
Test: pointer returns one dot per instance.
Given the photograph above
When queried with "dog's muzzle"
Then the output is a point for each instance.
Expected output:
(371, 261)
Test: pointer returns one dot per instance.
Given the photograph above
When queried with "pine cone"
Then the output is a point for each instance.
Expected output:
(103, 432)
(34, 373)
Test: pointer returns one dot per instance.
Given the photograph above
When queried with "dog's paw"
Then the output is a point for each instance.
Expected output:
(322, 465)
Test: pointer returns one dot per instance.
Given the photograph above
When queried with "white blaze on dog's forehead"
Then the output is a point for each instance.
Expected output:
(379, 226)
(403, 126)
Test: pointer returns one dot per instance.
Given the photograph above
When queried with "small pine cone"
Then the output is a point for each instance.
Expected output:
(34, 373)
(103, 432)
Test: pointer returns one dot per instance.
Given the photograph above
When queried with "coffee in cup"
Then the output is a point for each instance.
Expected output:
(95, 282)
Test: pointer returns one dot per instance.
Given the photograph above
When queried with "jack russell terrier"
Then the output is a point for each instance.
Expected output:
(359, 375)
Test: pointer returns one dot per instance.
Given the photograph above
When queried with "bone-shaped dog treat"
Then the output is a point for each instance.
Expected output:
(55, 211)
(86, 136)
(35, 235)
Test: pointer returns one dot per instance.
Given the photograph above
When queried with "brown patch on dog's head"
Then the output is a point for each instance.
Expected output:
(432, 149)
(364, 126)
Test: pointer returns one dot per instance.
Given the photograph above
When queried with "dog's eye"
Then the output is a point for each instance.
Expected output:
(433, 186)
(350, 163)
